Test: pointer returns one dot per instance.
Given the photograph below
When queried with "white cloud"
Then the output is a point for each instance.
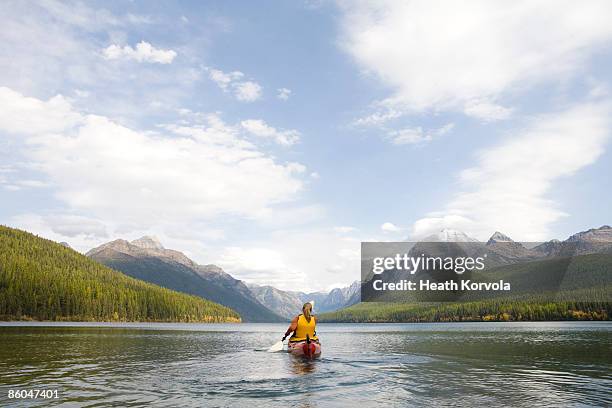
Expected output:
(487, 111)
(453, 56)
(283, 93)
(224, 79)
(378, 118)
(256, 262)
(75, 225)
(389, 227)
(260, 128)
(507, 188)
(81, 93)
(138, 19)
(244, 91)
(137, 178)
(445, 129)
(417, 135)
(295, 260)
(82, 233)
(436, 222)
(78, 14)
(409, 136)
(248, 91)
(67, 39)
(31, 183)
(144, 52)
(31, 116)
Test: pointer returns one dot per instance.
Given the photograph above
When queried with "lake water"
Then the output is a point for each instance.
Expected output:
(466, 364)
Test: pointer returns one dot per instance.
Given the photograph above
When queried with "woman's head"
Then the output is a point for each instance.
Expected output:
(306, 309)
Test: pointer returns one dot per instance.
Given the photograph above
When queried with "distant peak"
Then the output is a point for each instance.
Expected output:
(117, 242)
(147, 242)
(119, 245)
(601, 234)
(450, 235)
(499, 237)
(65, 244)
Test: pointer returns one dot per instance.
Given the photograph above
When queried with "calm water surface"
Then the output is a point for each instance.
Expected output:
(382, 365)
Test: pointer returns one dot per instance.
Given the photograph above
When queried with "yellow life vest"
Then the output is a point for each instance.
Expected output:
(305, 328)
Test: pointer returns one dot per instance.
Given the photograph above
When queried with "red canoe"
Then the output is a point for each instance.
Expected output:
(304, 349)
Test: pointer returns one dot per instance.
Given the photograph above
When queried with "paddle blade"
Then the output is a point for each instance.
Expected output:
(276, 347)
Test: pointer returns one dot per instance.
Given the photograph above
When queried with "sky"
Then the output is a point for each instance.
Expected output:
(272, 137)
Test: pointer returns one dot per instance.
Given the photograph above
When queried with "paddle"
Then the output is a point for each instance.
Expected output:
(276, 347)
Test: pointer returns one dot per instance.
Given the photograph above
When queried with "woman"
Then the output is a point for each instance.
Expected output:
(304, 340)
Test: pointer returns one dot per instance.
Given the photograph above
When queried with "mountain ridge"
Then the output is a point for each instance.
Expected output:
(285, 304)
(503, 249)
(289, 303)
(146, 259)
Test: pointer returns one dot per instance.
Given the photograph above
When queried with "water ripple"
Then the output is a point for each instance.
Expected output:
(372, 365)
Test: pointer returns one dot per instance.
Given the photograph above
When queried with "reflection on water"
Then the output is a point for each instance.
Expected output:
(495, 364)
(301, 366)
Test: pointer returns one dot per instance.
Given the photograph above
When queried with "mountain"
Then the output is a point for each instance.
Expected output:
(498, 237)
(340, 297)
(576, 288)
(602, 234)
(284, 303)
(44, 280)
(289, 304)
(220, 277)
(503, 250)
(575, 268)
(549, 248)
(449, 235)
(506, 251)
(147, 259)
(592, 241)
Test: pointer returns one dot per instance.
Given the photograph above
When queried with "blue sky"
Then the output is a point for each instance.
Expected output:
(272, 137)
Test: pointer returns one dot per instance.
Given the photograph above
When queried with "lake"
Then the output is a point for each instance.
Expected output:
(363, 365)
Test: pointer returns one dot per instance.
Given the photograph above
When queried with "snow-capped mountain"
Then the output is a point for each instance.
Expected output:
(499, 237)
(449, 235)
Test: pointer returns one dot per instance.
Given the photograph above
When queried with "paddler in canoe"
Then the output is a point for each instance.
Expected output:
(304, 341)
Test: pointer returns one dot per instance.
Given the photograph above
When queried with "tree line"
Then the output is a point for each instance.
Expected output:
(488, 310)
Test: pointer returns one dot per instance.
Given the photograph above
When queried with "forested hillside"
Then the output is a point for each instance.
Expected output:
(574, 288)
(489, 310)
(43, 280)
